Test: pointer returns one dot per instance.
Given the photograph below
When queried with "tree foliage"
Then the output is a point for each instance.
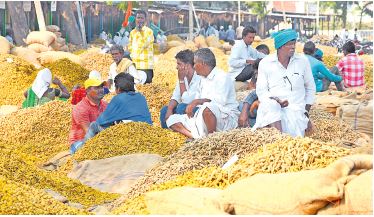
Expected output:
(259, 8)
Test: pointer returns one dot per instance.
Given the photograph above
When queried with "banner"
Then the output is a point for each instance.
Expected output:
(26, 6)
(53, 5)
(2, 4)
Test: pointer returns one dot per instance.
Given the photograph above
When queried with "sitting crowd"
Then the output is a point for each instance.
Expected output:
(282, 90)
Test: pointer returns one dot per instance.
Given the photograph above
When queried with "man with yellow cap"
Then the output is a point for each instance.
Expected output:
(86, 111)
(285, 88)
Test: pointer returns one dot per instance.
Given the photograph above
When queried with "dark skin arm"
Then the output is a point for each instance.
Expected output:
(193, 104)
(243, 117)
(171, 106)
(65, 93)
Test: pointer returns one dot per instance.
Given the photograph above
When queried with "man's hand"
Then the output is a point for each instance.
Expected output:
(243, 119)
(282, 103)
(254, 106)
(249, 61)
(310, 129)
(168, 114)
(191, 106)
(56, 81)
(181, 74)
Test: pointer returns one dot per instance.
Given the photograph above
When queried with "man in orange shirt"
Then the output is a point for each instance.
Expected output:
(86, 111)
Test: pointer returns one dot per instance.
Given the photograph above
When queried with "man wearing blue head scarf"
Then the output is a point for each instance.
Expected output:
(285, 88)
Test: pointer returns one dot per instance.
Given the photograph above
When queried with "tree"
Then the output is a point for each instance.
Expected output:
(363, 7)
(19, 21)
(260, 9)
(338, 7)
(70, 25)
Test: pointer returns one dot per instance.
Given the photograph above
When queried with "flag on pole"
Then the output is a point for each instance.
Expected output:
(128, 14)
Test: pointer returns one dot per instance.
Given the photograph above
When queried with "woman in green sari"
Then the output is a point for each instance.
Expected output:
(41, 93)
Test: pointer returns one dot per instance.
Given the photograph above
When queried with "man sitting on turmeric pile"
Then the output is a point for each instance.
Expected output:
(126, 106)
(86, 111)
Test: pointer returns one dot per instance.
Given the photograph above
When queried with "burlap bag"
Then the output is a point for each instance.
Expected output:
(115, 174)
(213, 41)
(38, 48)
(41, 37)
(190, 45)
(174, 38)
(358, 198)
(184, 201)
(302, 192)
(358, 115)
(171, 44)
(5, 46)
(52, 56)
(226, 46)
(60, 40)
(53, 28)
(200, 42)
(56, 46)
(27, 54)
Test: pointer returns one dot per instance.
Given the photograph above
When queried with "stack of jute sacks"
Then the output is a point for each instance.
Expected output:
(50, 40)
(5, 46)
(59, 44)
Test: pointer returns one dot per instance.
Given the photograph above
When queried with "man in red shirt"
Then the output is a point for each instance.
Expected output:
(86, 111)
(351, 67)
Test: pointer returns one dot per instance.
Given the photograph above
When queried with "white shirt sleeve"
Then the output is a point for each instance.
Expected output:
(310, 86)
(262, 84)
(255, 54)
(132, 71)
(176, 94)
(112, 71)
(236, 59)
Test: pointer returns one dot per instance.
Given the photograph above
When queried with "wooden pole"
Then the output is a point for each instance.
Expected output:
(318, 18)
(238, 13)
(190, 21)
(40, 16)
(81, 23)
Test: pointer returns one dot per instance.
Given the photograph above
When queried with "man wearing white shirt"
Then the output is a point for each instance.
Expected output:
(243, 56)
(126, 66)
(186, 88)
(218, 108)
(285, 88)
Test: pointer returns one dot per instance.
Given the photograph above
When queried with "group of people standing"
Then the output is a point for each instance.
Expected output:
(204, 99)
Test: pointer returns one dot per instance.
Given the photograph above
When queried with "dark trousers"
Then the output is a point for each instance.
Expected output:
(326, 82)
(246, 74)
(149, 73)
(179, 109)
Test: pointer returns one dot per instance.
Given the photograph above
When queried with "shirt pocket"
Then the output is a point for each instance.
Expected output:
(297, 80)
(276, 82)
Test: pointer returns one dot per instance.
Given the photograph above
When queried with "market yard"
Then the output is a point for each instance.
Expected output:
(141, 169)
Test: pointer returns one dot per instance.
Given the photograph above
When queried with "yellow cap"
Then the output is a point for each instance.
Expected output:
(91, 82)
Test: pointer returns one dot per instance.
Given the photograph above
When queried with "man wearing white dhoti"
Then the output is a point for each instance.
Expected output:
(216, 99)
(285, 88)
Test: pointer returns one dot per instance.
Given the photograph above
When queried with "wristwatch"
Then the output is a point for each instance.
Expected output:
(181, 82)
(306, 114)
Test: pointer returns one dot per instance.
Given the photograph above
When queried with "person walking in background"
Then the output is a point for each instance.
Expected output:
(230, 35)
(222, 34)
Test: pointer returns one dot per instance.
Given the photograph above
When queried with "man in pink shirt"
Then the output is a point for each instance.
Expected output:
(351, 67)
(86, 111)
